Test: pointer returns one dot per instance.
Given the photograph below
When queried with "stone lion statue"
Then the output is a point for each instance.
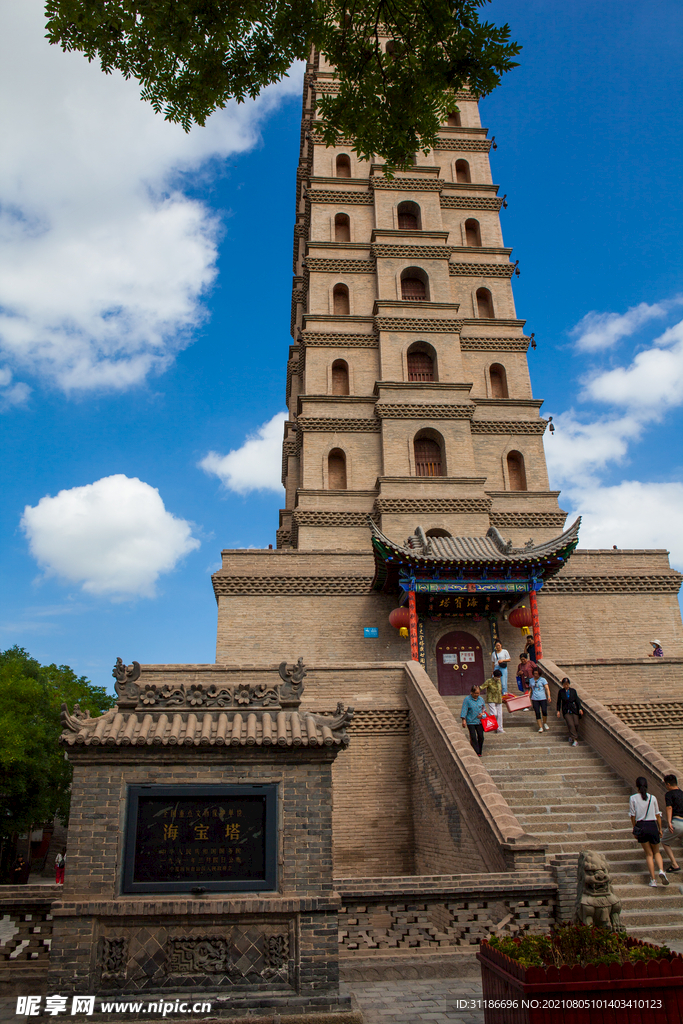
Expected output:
(596, 904)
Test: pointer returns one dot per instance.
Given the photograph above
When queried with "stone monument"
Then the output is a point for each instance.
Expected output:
(200, 846)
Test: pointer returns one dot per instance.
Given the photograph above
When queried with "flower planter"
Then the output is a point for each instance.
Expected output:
(609, 993)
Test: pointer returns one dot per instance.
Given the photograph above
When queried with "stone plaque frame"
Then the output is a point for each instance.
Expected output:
(207, 792)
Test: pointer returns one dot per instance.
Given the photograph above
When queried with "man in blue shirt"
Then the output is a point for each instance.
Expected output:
(473, 707)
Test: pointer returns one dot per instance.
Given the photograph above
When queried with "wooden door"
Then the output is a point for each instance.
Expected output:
(460, 663)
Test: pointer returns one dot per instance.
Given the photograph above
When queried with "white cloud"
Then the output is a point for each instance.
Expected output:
(632, 514)
(579, 449)
(103, 259)
(642, 391)
(652, 381)
(597, 331)
(12, 394)
(113, 537)
(257, 465)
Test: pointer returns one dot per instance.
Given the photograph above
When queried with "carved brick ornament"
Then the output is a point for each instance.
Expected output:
(312, 339)
(113, 958)
(669, 583)
(407, 184)
(198, 695)
(290, 586)
(245, 956)
(324, 518)
(198, 956)
(464, 145)
(509, 426)
(427, 252)
(494, 344)
(385, 506)
(331, 266)
(323, 195)
(325, 424)
(481, 269)
(396, 323)
(423, 411)
(522, 520)
(470, 203)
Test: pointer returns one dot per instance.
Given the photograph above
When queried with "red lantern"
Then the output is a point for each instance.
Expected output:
(400, 617)
(520, 617)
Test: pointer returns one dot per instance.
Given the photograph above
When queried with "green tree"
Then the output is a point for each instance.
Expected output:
(192, 56)
(35, 776)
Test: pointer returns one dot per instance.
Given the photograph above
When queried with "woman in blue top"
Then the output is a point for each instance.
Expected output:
(473, 707)
(540, 695)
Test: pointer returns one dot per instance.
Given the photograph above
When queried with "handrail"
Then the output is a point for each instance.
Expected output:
(503, 843)
(624, 750)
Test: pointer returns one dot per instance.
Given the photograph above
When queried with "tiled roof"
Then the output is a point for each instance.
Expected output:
(186, 728)
(491, 548)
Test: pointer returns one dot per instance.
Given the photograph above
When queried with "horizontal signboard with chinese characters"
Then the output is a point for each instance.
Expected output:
(467, 587)
(218, 838)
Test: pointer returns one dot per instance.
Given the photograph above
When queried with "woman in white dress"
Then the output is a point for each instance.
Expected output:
(500, 659)
(646, 821)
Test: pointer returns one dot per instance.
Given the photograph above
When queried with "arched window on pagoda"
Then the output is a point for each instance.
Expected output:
(342, 228)
(343, 166)
(516, 471)
(336, 470)
(484, 304)
(420, 363)
(472, 232)
(462, 172)
(498, 379)
(414, 285)
(454, 119)
(340, 377)
(340, 297)
(428, 456)
(408, 216)
(437, 532)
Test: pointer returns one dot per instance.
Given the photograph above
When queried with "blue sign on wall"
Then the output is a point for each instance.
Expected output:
(371, 631)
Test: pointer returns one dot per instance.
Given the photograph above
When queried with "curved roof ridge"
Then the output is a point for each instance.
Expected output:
(492, 547)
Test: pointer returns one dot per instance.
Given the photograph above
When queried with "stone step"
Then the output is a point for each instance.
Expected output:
(639, 918)
(657, 898)
(607, 847)
(521, 772)
(570, 799)
(594, 815)
(534, 805)
(658, 936)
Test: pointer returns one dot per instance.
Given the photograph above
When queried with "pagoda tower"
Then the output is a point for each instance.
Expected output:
(408, 387)
(413, 460)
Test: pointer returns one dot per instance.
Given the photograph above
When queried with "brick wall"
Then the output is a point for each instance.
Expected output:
(411, 914)
(443, 839)
(372, 820)
(98, 807)
(624, 681)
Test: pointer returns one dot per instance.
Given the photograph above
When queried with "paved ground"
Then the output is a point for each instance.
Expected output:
(434, 1001)
(413, 1001)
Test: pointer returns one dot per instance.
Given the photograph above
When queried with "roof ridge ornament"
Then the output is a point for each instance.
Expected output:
(126, 677)
(293, 680)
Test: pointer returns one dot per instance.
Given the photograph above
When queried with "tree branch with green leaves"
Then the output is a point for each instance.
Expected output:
(191, 57)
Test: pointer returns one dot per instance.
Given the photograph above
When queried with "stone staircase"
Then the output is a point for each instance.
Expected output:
(571, 800)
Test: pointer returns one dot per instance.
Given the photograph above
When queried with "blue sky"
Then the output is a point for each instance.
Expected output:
(145, 283)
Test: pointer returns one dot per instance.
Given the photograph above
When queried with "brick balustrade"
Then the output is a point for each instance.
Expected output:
(624, 750)
(467, 790)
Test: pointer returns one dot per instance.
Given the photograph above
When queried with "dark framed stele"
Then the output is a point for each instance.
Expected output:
(215, 838)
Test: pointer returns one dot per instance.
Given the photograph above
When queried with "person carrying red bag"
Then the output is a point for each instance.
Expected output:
(492, 691)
